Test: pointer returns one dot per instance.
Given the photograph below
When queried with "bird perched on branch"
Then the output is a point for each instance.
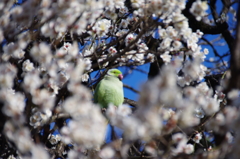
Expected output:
(110, 89)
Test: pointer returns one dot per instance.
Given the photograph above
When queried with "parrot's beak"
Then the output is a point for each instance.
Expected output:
(120, 77)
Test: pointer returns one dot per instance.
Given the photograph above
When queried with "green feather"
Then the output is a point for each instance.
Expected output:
(110, 89)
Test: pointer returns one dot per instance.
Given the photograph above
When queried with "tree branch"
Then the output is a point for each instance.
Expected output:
(130, 102)
(131, 88)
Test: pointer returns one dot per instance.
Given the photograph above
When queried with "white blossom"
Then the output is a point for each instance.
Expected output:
(39, 152)
(137, 3)
(166, 57)
(8, 73)
(13, 103)
(178, 137)
(67, 46)
(39, 118)
(176, 45)
(107, 153)
(11, 157)
(112, 50)
(121, 32)
(102, 27)
(165, 44)
(129, 38)
(188, 149)
(182, 146)
(199, 8)
(20, 137)
(180, 22)
(162, 33)
(197, 137)
(211, 107)
(233, 94)
(124, 23)
(54, 139)
(28, 66)
(124, 110)
(85, 77)
(89, 131)
(42, 53)
(43, 98)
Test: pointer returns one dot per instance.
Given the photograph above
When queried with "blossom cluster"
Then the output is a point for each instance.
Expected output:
(50, 48)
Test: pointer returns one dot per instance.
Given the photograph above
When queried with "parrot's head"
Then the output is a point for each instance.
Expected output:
(115, 72)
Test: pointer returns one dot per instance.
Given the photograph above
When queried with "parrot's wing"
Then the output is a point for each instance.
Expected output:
(100, 93)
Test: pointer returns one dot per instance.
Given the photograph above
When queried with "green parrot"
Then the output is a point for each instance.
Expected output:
(110, 89)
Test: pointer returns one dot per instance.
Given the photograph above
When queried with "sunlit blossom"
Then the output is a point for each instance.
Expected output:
(198, 9)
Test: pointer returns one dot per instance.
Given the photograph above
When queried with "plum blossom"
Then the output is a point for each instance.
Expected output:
(137, 3)
(187, 116)
(178, 137)
(124, 23)
(85, 77)
(165, 44)
(119, 4)
(109, 4)
(28, 66)
(188, 149)
(11, 157)
(89, 131)
(205, 51)
(197, 137)
(180, 22)
(101, 27)
(38, 151)
(42, 53)
(13, 103)
(162, 33)
(110, 14)
(112, 50)
(166, 57)
(211, 107)
(21, 137)
(39, 118)
(203, 88)
(199, 8)
(182, 146)
(124, 110)
(129, 38)
(138, 57)
(107, 153)
(43, 98)
(171, 32)
(194, 70)
(67, 46)
(9, 72)
(233, 94)
(14, 49)
(176, 45)
(121, 32)
(54, 139)
(199, 112)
